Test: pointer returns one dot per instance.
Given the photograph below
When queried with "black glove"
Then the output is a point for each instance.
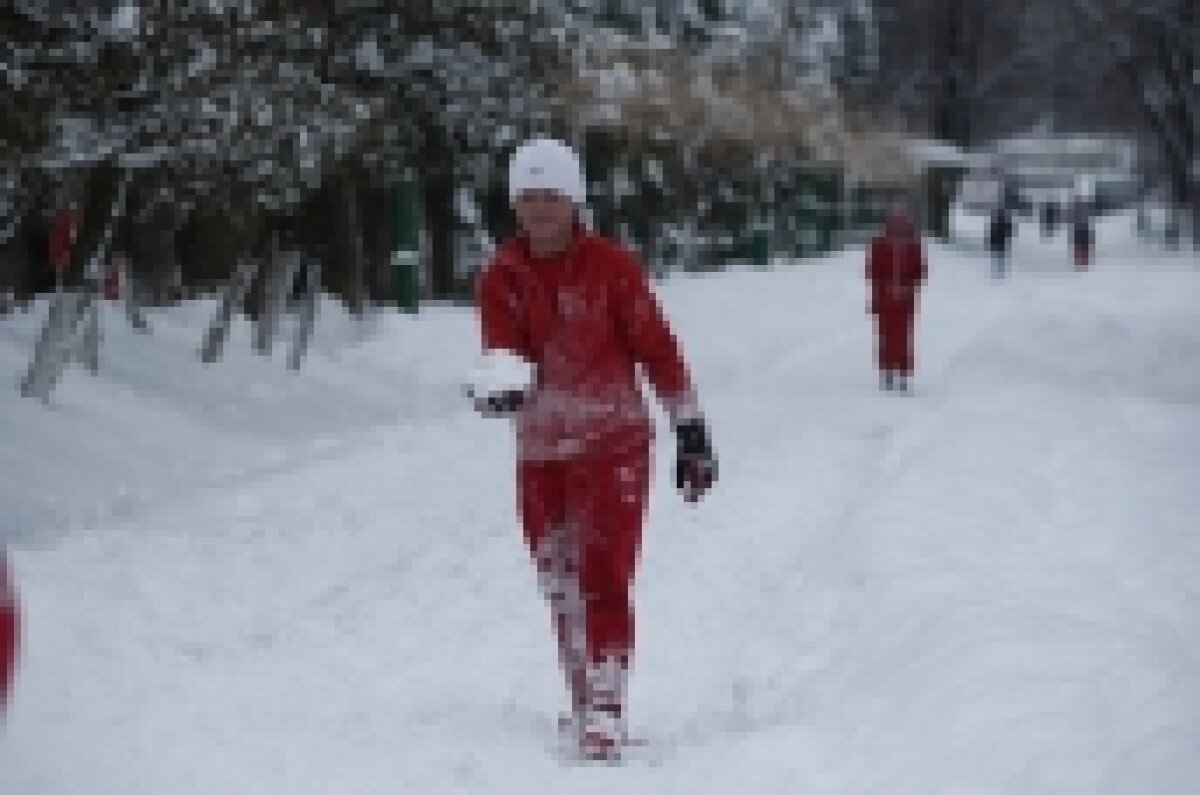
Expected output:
(499, 404)
(695, 463)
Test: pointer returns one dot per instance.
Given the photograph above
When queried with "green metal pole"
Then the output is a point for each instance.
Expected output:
(405, 244)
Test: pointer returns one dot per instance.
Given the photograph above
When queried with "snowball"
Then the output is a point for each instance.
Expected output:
(500, 371)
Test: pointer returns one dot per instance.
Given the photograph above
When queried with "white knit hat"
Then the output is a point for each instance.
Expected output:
(546, 163)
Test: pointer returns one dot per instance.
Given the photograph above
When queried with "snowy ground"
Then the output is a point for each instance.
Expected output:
(241, 580)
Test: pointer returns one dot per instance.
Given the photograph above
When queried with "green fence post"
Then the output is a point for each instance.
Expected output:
(759, 245)
(828, 186)
(405, 244)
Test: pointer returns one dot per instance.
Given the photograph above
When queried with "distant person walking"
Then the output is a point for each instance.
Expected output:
(1000, 233)
(1049, 218)
(895, 272)
(64, 233)
(1081, 235)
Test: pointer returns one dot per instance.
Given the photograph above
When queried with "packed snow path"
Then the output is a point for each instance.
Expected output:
(237, 580)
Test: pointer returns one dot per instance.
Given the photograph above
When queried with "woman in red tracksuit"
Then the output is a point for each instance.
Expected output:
(8, 633)
(579, 309)
(895, 272)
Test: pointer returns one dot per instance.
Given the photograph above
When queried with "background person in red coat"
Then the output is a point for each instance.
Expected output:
(8, 632)
(895, 272)
(63, 233)
(569, 325)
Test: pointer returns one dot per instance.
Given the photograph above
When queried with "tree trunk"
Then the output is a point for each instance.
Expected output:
(102, 186)
(437, 190)
(377, 242)
(1186, 201)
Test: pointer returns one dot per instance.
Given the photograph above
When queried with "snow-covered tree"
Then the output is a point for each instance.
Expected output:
(956, 70)
(235, 120)
(1146, 56)
(245, 108)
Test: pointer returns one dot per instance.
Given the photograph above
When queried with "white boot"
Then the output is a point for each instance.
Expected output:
(558, 565)
(604, 731)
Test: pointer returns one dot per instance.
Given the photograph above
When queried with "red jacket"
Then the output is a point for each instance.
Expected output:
(587, 319)
(895, 270)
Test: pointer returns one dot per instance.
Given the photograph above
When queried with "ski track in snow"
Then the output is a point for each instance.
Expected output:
(313, 583)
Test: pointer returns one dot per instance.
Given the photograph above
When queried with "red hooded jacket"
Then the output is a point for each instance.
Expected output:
(590, 323)
(895, 270)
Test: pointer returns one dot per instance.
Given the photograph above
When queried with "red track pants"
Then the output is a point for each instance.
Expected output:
(1083, 257)
(582, 520)
(894, 339)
